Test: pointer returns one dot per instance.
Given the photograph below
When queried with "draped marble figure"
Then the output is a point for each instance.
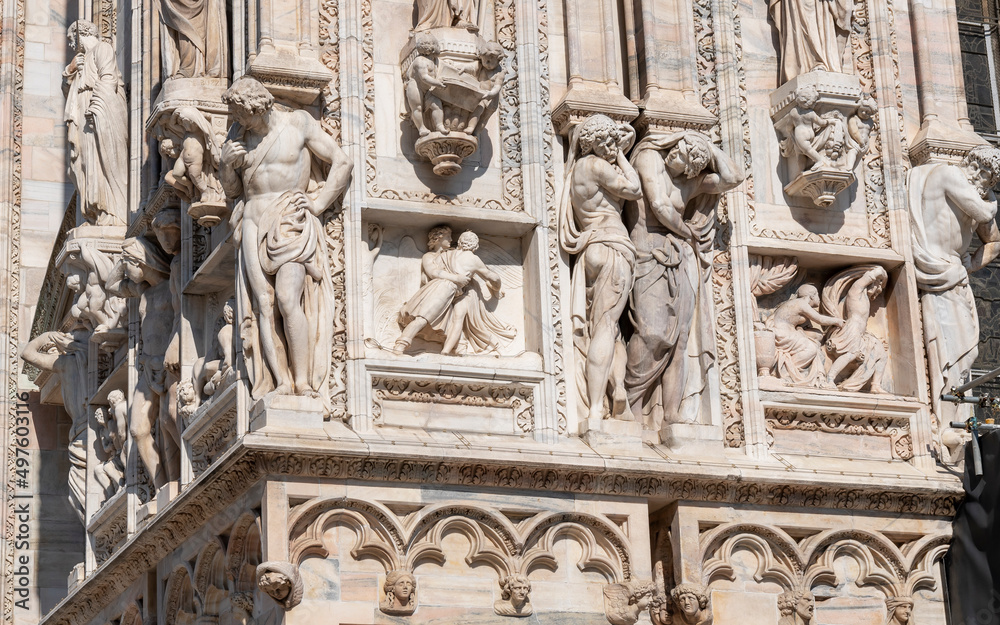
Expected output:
(672, 227)
(598, 181)
(948, 203)
(96, 117)
(270, 164)
(447, 13)
(193, 38)
(812, 34)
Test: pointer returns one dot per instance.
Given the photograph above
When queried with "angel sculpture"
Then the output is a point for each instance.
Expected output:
(194, 172)
(849, 295)
(445, 308)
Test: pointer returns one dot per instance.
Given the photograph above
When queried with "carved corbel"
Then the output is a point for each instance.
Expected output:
(280, 581)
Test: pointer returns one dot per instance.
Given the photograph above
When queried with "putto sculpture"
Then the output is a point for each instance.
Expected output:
(691, 604)
(625, 601)
(673, 227)
(96, 127)
(514, 596)
(599, 180)
(284, 277)
(446, 307)
(948, 204)
(400, 590)
(195, 170)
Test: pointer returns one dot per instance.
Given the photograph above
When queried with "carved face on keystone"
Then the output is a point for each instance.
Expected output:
(275, 585)
(402, 589)
(804, 608)
(688, 603)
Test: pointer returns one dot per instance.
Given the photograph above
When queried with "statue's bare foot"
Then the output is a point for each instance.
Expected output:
(619, 406)
(878, 390)
(283, 389)
(424, 132)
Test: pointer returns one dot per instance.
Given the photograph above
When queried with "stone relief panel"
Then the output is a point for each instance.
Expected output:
(429, 296)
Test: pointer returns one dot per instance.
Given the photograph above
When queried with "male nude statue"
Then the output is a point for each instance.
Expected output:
(947, 204)
(285, 282)
(598, 182)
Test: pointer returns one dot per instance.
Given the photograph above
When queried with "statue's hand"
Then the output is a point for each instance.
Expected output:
(234, 154)
(460, 280)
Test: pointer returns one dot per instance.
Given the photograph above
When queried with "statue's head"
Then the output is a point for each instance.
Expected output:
(439, 238)
(599, 134)
(689, 598)
(810, 293)
(515, 588)
(248, 100)
(401, 585)
(427, 45)
(166, 226)
(141, 257)
(468, 240)
(807, 96)
(982, 166)
(797, 602)
(691, 155)
(78, 31)
(899, 609)
(867, 107)
(490, 54)
(115, 397)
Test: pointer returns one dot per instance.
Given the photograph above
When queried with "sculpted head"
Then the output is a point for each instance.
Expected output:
(166, 226)
(689, 599)
(982, 166)
(799, 603)
(80, 33)
(439, 238)
(515, 588)
(427, 45)
(807, 96)
(468, 240)
(866, 110)
(690, 156)
(115, 397)
(142, 259)
(490, 55)
(809, 293)
(248, 100)
(599, 134)
(900, 609)
(401, 585)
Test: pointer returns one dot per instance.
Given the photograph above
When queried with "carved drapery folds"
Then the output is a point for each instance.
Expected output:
(452, 78)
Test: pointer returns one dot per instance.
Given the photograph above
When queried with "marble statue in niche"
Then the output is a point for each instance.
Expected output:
(514, 596)
(691, 604)
(800, 360)
(65, 355)
(96, 117)
(213, 372)
(282, 582)
(187, 400)
(193, 38)
(625, 601)
(433, 14)
(859, 132)
(812, 35)
(400, 589)
(899, 610)
(849, 295)
(672, 226)
(452, 79)
(796, 607)
(112, 436)
(284, 278)
(599, 180)
(88, 270)
(449, 305)
(948, 204)
(190, 140)
(144, 271)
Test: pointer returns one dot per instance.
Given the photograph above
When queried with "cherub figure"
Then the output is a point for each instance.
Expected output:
(210, 373)
(490, 80)
(110, 474)
(800, 359)
(799, 128)
(420, 77)
(193, 174)
(850, 294)
(859, 130)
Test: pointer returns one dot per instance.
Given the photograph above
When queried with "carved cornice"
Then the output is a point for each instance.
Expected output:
(243, 466)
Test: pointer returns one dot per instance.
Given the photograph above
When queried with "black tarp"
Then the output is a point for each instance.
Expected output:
(973, 560)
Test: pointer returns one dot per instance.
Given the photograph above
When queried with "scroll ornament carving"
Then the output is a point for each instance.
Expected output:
(515, 597)
(400, 590)
(187, 138)
(448, 305)
(452, 81)
(282, 582)
(96, 117)
(947, 204)
(284, 280)
(623, 602)
(672, 226)
(599, 180)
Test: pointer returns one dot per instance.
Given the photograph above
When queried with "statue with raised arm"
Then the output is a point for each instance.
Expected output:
(849, 295)
(672, 227)
(948, 204)
(65, 355)
(812, 35)
(800, 359)
(96, 127)
(284, 279)
(193, 41)
(599, 180)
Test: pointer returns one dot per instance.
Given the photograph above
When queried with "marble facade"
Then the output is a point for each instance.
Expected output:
(386, 311)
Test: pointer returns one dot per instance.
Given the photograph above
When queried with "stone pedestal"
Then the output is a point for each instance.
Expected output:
(694, 438)
(613, 433)
(286, 412)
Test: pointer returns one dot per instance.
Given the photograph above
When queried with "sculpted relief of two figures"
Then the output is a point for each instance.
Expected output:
(641, 234)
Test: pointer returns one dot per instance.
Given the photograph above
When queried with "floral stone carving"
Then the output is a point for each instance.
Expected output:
(400, 589)
(452, 79)
(823, 124)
